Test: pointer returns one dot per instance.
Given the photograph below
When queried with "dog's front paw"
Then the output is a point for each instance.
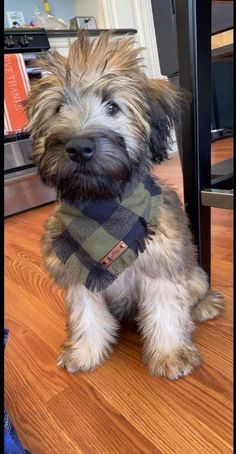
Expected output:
(76, 357)
(176, 364)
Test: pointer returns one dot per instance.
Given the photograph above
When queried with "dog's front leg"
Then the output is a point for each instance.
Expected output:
(91, 330)
(166, 325)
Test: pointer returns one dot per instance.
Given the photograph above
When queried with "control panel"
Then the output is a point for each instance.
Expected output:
(25, 40)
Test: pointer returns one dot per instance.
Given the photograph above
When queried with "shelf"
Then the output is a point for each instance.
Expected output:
(218, 198)
(74, 33)
(222, 52)
(65, 33)
(25, 40)
(222, 168)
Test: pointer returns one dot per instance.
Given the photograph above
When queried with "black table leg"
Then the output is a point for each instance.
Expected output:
(193, 21)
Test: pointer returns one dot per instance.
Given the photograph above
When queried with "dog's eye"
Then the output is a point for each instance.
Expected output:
(112, 108)
(57, 110)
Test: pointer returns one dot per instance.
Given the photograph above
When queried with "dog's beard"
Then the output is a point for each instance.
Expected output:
(104, 176)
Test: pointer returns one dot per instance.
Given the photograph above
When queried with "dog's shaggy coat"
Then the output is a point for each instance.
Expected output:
(100, 94)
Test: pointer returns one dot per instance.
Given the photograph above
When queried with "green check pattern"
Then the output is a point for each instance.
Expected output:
(83, 233)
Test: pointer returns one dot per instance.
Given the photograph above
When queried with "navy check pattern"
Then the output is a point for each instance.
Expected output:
(86, 232)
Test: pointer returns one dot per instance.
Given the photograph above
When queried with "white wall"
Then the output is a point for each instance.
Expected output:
(127, 14)
(64, 9)
(90, 8)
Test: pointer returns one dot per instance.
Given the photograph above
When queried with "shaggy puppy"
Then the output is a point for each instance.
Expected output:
(119, 241)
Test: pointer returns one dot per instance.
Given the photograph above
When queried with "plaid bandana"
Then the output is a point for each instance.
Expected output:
(97, 240)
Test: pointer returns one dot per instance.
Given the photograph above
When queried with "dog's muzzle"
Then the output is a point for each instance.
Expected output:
(80, 148)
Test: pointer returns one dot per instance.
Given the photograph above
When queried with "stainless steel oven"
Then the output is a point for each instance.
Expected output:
(23, 189)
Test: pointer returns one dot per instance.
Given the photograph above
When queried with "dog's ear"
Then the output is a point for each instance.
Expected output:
(163, 103)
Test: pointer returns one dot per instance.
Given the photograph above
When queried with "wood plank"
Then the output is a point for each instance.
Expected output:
(222, 39)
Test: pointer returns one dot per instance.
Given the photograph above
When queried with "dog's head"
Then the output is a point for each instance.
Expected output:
(96, 119)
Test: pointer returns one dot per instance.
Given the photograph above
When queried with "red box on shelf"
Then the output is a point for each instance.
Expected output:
(16, 89)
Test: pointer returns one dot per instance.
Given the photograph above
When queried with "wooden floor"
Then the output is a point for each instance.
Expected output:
(118, 408)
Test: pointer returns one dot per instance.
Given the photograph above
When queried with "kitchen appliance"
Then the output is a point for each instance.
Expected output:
(23, 189)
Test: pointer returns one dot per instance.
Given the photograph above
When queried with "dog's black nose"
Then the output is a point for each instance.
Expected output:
(80, 148)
